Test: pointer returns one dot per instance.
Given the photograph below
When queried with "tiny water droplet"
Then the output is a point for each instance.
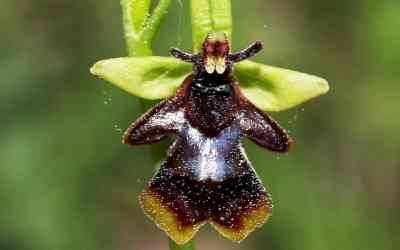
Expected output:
(118, 129)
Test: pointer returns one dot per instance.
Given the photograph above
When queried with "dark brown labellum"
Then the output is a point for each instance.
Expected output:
(207, 176)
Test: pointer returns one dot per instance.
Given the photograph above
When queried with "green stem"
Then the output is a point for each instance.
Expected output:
(153, 23)
(139, 26)
(210, 15)
(135, 14)
(188, 246)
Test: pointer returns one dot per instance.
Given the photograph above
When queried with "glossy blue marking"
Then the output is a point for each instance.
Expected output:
(206, 158)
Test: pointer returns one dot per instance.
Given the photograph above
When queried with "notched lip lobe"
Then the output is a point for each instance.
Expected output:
(182, 229)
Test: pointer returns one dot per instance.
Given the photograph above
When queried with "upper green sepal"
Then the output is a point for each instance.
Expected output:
(150, 77)
(276, 89)
(269, 88)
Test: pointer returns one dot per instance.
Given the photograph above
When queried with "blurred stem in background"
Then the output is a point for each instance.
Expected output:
(188, 246)
(141, 25)
(140, 28)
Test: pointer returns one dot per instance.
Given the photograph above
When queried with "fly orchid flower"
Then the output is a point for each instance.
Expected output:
(206, 177)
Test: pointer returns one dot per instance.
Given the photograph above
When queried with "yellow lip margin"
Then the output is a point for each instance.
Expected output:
(249, 222)
(167, 221)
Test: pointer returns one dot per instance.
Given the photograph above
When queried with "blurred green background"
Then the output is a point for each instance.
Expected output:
(67, 182)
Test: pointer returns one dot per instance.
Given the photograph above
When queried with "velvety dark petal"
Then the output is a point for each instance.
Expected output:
(164, 119)
(262, 129)
(247, 53)
(155, 125)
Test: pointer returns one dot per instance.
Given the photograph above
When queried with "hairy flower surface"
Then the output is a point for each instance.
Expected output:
(207, 176)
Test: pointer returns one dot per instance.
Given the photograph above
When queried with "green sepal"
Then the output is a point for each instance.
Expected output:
(269, 88)
(150, 77)
(276, 89)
